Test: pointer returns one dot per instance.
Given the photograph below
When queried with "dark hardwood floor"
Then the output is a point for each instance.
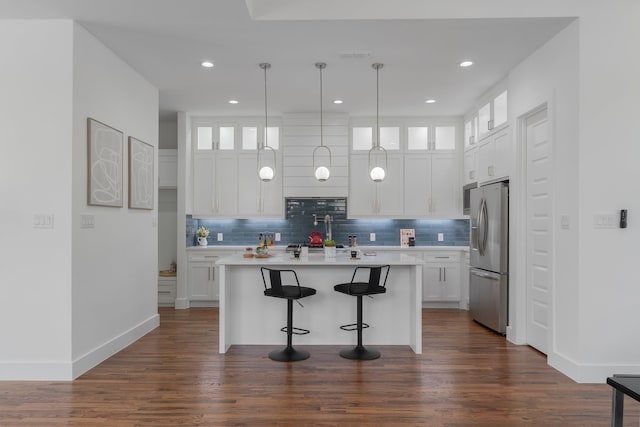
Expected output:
(174, 376)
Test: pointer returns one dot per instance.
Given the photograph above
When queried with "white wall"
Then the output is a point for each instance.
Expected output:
(168, 136)
(548, 77)
(35, 178)
(114, 289)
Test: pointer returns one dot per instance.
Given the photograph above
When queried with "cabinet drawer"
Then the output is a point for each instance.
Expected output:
(203, 257)
(442, 257)
(166, 293)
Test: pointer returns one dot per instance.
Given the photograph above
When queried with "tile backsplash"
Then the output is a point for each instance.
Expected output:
(299, 223)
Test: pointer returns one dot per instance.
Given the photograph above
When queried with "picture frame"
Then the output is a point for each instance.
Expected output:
(141, 174)
(104, 164)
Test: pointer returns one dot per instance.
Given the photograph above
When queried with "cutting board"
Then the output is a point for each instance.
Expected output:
(167, 273)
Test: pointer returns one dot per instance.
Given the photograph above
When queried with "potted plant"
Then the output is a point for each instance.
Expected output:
(202, 233)
(329, 248)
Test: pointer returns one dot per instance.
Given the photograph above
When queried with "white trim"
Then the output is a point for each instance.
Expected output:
(181, 303)
(67, 371)
(588, 372)
(101, 353)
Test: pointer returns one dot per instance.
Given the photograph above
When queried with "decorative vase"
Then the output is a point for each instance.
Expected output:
(329, 251)
(202, 241)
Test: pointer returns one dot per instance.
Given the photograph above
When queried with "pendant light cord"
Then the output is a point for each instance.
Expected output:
(321, 132)
(377, 66)
(266, 142)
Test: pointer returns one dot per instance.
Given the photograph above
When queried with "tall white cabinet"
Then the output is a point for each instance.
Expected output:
(224, 169)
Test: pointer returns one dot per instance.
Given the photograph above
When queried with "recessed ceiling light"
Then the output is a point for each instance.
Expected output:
(430, 101)
(465, 64)
(337, 101)
(233, 101)
(207, 64)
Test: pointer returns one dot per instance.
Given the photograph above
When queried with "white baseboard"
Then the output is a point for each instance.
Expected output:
(204, 304)
(588, 372)
(443, 304)
(182, 303)
(101, 353)
(67, 371)
(35, 371)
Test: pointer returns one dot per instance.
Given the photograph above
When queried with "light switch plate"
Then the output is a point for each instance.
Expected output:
(219, 237)
(87, 221)
(43, 221)
(604, 220)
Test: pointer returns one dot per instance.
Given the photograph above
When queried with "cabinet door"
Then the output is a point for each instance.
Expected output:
(445, 187)
(362, 194)
(499, 110)
(432, 282)
(501, 153)
(272, 199)
(450, 282)
(248, 187)
(390, 198)
(470, 166)
(201, 280)
(226, 185)
(167, 169)
(417, 185)
(204, 202)
(484, 120)
(485, 161)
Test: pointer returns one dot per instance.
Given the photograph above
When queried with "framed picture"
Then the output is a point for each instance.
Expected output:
(141, 182)
(104, 160)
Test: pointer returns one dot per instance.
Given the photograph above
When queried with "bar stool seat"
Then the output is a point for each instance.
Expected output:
(360, 289)
(291, 293)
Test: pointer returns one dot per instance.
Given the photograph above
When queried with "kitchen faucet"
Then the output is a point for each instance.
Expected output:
(327, 225)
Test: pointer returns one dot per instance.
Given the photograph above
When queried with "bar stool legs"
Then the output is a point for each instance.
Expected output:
(359, 352)
(290, 354)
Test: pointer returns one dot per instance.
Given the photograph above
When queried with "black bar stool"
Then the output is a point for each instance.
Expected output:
(290, 293)
(359, 289)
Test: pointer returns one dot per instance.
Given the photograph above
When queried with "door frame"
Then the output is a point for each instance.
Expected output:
(517, 329)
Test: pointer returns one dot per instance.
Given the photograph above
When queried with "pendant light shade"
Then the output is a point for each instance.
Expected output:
(378, 164)
(266, 154)
(322, 153)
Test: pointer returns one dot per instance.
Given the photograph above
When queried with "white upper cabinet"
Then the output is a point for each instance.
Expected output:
(167, 168)
(224, 164)
(492, 115)
(369, 199)
(471, 132)
(470, 166)
(494, 157)
(423, 176)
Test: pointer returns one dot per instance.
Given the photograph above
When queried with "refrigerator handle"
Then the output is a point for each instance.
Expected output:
(485, 225)
(480, 220)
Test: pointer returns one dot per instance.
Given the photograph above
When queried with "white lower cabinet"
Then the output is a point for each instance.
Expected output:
(202, 277)
(166, 291)
(441, 277)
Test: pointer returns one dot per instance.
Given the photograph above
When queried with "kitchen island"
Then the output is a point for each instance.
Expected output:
(247, 317)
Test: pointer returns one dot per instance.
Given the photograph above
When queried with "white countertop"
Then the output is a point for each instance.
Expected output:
(342, 258)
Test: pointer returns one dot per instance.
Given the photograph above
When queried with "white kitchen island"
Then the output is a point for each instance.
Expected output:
(247, 317)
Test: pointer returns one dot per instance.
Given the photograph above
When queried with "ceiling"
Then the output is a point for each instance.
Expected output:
(165, 41)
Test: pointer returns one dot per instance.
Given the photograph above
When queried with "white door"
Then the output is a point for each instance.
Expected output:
(539, 230)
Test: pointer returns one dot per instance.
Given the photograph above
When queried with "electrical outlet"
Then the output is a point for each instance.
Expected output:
(220, 237)
(440, 237)
(372, 237)
(278, 237)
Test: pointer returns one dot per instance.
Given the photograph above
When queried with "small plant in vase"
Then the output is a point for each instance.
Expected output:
(329, 248)
(202, 233)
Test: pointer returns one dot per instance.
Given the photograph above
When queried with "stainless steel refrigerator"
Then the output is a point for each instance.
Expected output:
(489, 273)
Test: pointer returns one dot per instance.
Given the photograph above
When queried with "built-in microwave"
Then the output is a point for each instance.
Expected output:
(466, 197)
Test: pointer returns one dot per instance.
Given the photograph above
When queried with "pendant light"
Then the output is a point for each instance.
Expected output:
(266, 169)
(377, 154)
(322, 170)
